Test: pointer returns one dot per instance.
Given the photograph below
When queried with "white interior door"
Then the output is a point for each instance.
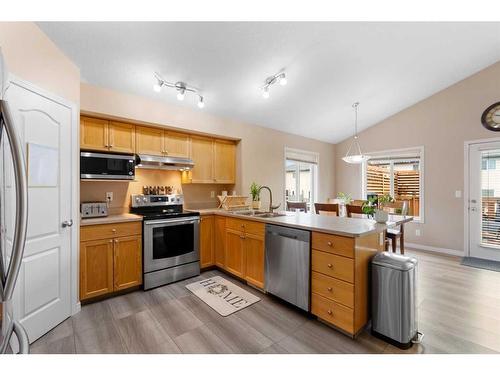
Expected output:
(484, 200)
(42, 296)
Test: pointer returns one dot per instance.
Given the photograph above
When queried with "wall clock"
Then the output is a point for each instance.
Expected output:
(491, 117)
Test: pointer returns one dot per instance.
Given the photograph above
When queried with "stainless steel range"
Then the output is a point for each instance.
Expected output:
(170, 239)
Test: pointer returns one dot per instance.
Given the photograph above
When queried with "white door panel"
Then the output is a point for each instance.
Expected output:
(484, 201)
(43, 297)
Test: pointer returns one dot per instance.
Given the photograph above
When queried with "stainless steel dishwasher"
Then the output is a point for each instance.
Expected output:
(288, 258)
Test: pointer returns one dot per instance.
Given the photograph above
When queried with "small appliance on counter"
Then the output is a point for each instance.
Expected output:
(94, 209)
(170, 237)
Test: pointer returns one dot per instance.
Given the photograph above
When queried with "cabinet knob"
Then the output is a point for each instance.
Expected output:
(329, 288)
(330, 244)
(110, 241)
(113, 230)
(116, 241)
(329, 312)
(330, 265)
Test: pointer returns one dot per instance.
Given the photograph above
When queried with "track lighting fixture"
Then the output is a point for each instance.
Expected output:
(277, 78)
(181, 88)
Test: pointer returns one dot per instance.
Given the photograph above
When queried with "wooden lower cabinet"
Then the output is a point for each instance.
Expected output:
(340, 278)
(127, 263)
(244, 253)
(109, 264)
(220, 241)
(235, 257)
(207, 224)
(332, 312)
(254, 260)
(96, 268)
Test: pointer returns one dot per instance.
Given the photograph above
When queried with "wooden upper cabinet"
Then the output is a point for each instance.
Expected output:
(177, 144)
(149, 141)
(96, 268)
(224, 161)
(207, 241)
(127, 262)
(103, 135)
(202, 150)
(93, 134)
(121, 137)
(220, 241)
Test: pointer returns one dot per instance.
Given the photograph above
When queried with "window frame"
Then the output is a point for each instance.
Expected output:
(307, 157)
(410, 152)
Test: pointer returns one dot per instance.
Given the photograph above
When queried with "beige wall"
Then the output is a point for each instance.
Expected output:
(440, 123)
(260, 153)
(32, 56)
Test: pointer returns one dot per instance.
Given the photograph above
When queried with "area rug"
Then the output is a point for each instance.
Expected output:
(222, 295)
(481, 263)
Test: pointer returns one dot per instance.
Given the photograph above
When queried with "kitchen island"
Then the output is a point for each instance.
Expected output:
(341, 251)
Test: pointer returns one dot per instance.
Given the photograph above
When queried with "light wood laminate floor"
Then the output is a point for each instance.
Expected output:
(458, 311)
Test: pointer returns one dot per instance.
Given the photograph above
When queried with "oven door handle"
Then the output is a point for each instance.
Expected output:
(173, 221)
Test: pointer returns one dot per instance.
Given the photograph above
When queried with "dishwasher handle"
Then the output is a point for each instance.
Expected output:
(293, 237)
(293, 234)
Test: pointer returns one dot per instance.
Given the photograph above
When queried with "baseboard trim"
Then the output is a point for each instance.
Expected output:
(76, 308)
(441, 250)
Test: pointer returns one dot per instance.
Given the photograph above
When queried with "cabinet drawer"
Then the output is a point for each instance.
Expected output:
(333, 265)
(332, 312)
(333, 244)
(334, 289)
(246, 226)
(101, 231)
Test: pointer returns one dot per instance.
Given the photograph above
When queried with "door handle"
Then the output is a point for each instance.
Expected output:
(67, 223)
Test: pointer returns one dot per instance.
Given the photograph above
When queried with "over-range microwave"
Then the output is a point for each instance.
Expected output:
(95, 165)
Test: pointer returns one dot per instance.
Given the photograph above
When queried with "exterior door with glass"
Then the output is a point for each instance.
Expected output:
(483, 207)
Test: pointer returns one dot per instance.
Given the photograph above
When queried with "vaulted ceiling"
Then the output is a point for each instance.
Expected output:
(329, 65)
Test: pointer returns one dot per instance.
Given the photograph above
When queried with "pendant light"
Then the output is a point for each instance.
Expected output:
(354, 154)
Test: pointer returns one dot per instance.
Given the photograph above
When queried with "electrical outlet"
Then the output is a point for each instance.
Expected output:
(458, 193)
(417, 232)
(212, 194)
(109, 196)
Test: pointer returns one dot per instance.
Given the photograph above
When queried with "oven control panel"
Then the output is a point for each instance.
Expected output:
(141, 200)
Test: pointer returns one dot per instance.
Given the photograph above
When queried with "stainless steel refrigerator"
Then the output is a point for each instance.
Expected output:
(13, 337)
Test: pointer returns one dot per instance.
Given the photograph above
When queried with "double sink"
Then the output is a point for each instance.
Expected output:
(258, 213)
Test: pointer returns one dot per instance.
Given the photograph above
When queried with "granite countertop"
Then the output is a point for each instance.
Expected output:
(119, 218)
(343, 226)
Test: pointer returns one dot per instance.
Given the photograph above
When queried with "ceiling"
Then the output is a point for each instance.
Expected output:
(385, 66)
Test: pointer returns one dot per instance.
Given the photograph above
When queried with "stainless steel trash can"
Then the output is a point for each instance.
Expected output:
(394, 300)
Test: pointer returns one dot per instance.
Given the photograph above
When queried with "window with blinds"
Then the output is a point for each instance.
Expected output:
(397, 175)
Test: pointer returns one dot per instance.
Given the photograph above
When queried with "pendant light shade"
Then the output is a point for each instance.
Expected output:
(354, 154)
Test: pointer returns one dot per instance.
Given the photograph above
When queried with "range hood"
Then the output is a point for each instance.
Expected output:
(163, 162)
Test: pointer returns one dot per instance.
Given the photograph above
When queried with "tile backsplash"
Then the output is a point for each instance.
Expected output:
(195, 195)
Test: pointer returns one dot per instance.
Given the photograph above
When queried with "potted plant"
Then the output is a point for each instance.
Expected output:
(369, 207)
(254, 192)
(374, 207)
(344, 197)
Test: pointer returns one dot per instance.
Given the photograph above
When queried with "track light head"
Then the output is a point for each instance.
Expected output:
(282, 79)
(201, 103)
(265, 92)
